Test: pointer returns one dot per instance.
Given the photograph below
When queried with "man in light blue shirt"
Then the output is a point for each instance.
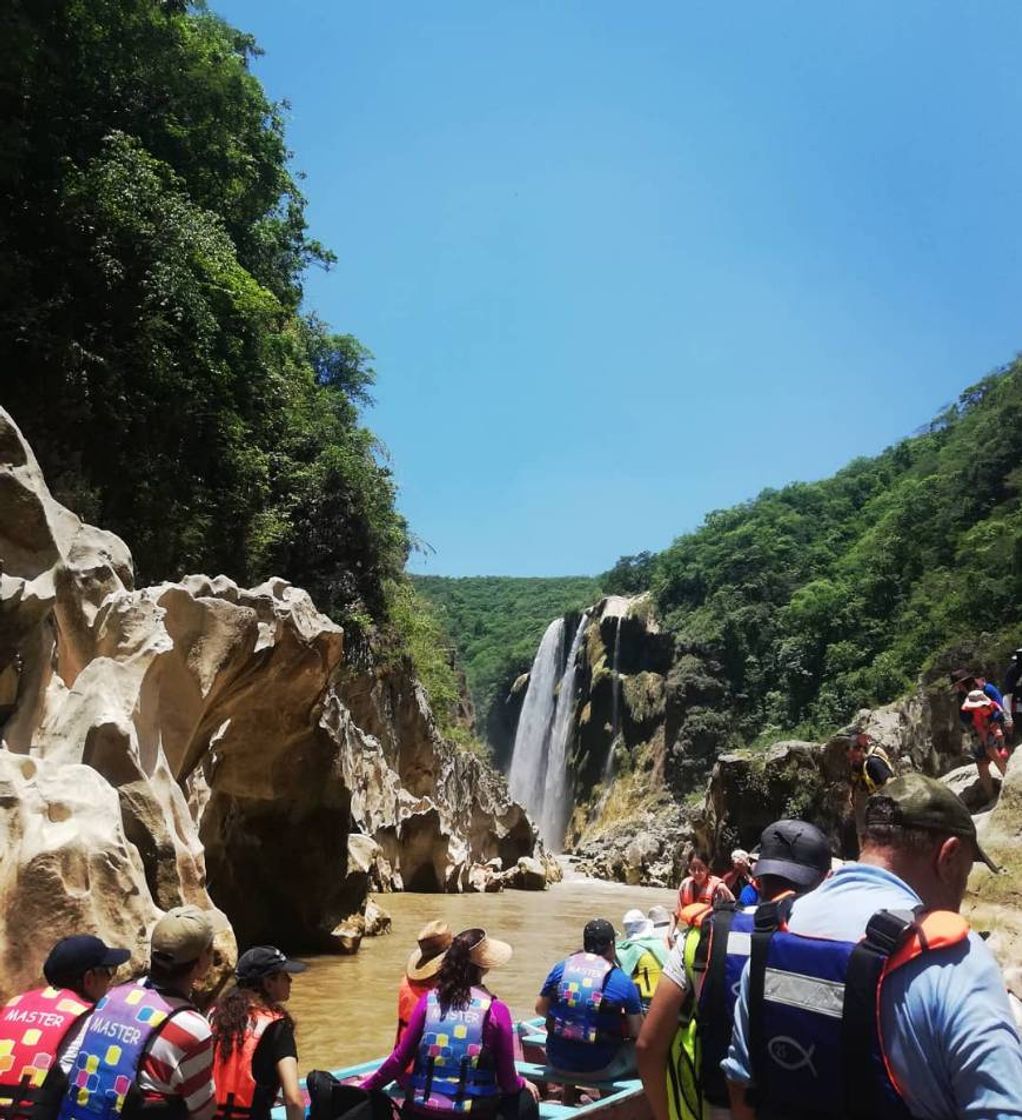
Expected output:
(947, 1026)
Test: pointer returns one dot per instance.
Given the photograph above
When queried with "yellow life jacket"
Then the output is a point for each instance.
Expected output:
(863, 775)
(684, 1093)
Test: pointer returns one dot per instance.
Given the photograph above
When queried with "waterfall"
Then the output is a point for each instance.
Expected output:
(527, 775)
(556, 808)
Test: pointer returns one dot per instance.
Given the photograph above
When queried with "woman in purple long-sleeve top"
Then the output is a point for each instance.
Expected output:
(461, 1041)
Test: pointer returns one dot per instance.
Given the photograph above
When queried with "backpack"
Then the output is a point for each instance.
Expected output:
(330, 1100)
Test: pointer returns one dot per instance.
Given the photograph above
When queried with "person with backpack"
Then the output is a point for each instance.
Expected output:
(641, 955)
(1012, 692)
(688, 1029)
(254, 1052)
(461, 1041)
(41, 1030)
(592, 1009)
(876, 1000)
(986, 721)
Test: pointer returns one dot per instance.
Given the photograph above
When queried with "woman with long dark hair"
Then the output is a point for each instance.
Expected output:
(461, 1040)
(254, 1051)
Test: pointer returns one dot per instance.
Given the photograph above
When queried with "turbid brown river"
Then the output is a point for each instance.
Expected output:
(346, 1007)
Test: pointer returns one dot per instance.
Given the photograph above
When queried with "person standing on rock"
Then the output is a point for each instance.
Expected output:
(592, 1009)
(41, 1030)
(877, 1000)
(688, 1029)
(700, 886)
(869, 769)
(255, 1056)
(461, 1040)
(421, 971)
(1013, 693)
(146, 1050)
(986, 721)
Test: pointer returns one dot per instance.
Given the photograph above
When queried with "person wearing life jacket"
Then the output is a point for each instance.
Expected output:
(146, 1051)
(421, 971)
(688, 1029)
(700, 886)
(876, 1000)
(641, 955)
(663, 924)
(740, 875)
(41, 1030)
(592, 1009)
(254, 1052)
(461, 1040)
(986, 721)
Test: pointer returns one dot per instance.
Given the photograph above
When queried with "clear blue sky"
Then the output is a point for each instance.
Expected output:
(624, 264)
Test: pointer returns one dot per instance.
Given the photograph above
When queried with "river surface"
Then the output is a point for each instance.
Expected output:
(346, 1007)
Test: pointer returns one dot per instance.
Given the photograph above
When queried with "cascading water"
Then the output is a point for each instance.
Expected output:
(608, 765)
(553, 817)
(527, 775)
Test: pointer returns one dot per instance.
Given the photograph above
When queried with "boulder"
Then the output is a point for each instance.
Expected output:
(964, 781)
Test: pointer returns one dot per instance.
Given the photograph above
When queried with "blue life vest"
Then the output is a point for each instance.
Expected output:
(814, 1031)
(577, 1014)
(102, 1083)
(724, 948)
(453, 1072)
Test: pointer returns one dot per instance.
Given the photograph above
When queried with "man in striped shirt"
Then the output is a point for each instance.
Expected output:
(145, 1043)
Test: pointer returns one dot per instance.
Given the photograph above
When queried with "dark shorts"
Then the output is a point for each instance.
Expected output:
(979, 750)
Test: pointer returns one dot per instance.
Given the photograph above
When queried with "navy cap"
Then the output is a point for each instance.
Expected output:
(74, 956)
(264, 960)
(598, 936)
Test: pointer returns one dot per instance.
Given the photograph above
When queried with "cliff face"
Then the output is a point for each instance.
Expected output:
(200, 742)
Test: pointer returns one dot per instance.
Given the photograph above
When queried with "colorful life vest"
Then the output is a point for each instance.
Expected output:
(814, 1016)
(103, 1081)
(237, 1091)
(643, 960)
(453, 1072)
(577, 1013)
(861, 777)
(684, 1092)
(33, 1027)
(724, 947)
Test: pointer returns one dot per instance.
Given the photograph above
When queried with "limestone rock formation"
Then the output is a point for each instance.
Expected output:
(228, 735)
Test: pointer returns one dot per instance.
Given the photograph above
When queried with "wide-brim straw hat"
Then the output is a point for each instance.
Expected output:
(488, 952)
(976, 699)
(434, 940)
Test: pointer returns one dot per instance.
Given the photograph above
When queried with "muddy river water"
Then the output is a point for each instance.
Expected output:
(346, 1007)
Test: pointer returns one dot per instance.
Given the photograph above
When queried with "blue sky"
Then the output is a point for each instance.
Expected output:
(622, 265)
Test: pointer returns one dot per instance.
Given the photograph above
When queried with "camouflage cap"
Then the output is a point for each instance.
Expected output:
(925, 803)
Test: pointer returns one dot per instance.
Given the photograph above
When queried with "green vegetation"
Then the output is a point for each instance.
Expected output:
(814, 600)
(496, 622)
(153, 347)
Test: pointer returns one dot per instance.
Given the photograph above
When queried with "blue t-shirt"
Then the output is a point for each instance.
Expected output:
(951, 1040)
(563, 1053)
(749, 896)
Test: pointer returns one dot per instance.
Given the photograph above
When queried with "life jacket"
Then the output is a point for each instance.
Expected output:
(862, 777)
(33, 1027)
(453, 1071)
(815, 1038)
(643, 960)
(408, 996)
(576, 1013)
(237, 1091)
(689, 892)
(986, 718)
(104, 1078)
(684, 1090)
(724, 947)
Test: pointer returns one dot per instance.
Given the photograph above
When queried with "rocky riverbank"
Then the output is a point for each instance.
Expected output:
(201, 742)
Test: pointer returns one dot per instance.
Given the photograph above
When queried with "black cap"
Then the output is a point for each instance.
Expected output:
(264, 960)
(598, 936)
(1017, 655)
(794, 850)
(74, 956)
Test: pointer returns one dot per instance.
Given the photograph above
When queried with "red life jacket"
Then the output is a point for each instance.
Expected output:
(237, 1091)
(33, 1027)
(408, 996)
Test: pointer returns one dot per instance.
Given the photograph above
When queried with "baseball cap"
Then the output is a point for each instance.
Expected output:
(264, 960)
(925, 803)
(1017, 655)
(794, 850)
(74, 956)
(598, 935)
(181, 935)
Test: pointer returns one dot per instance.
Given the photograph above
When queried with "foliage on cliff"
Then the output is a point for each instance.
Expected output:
(496, 622)
(152, 342)
(817, 599)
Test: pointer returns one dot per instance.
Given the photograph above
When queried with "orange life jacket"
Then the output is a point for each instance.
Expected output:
(237, 1092)
(33, 1027)
(408, 995)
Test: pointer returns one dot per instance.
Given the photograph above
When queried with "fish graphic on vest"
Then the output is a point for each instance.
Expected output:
(103, 1082)
(33, 1027)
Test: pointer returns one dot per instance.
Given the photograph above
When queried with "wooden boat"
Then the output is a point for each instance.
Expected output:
(562, 1099)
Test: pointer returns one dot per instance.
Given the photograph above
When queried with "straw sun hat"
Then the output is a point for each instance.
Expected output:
(488, 952)
(434, 940)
